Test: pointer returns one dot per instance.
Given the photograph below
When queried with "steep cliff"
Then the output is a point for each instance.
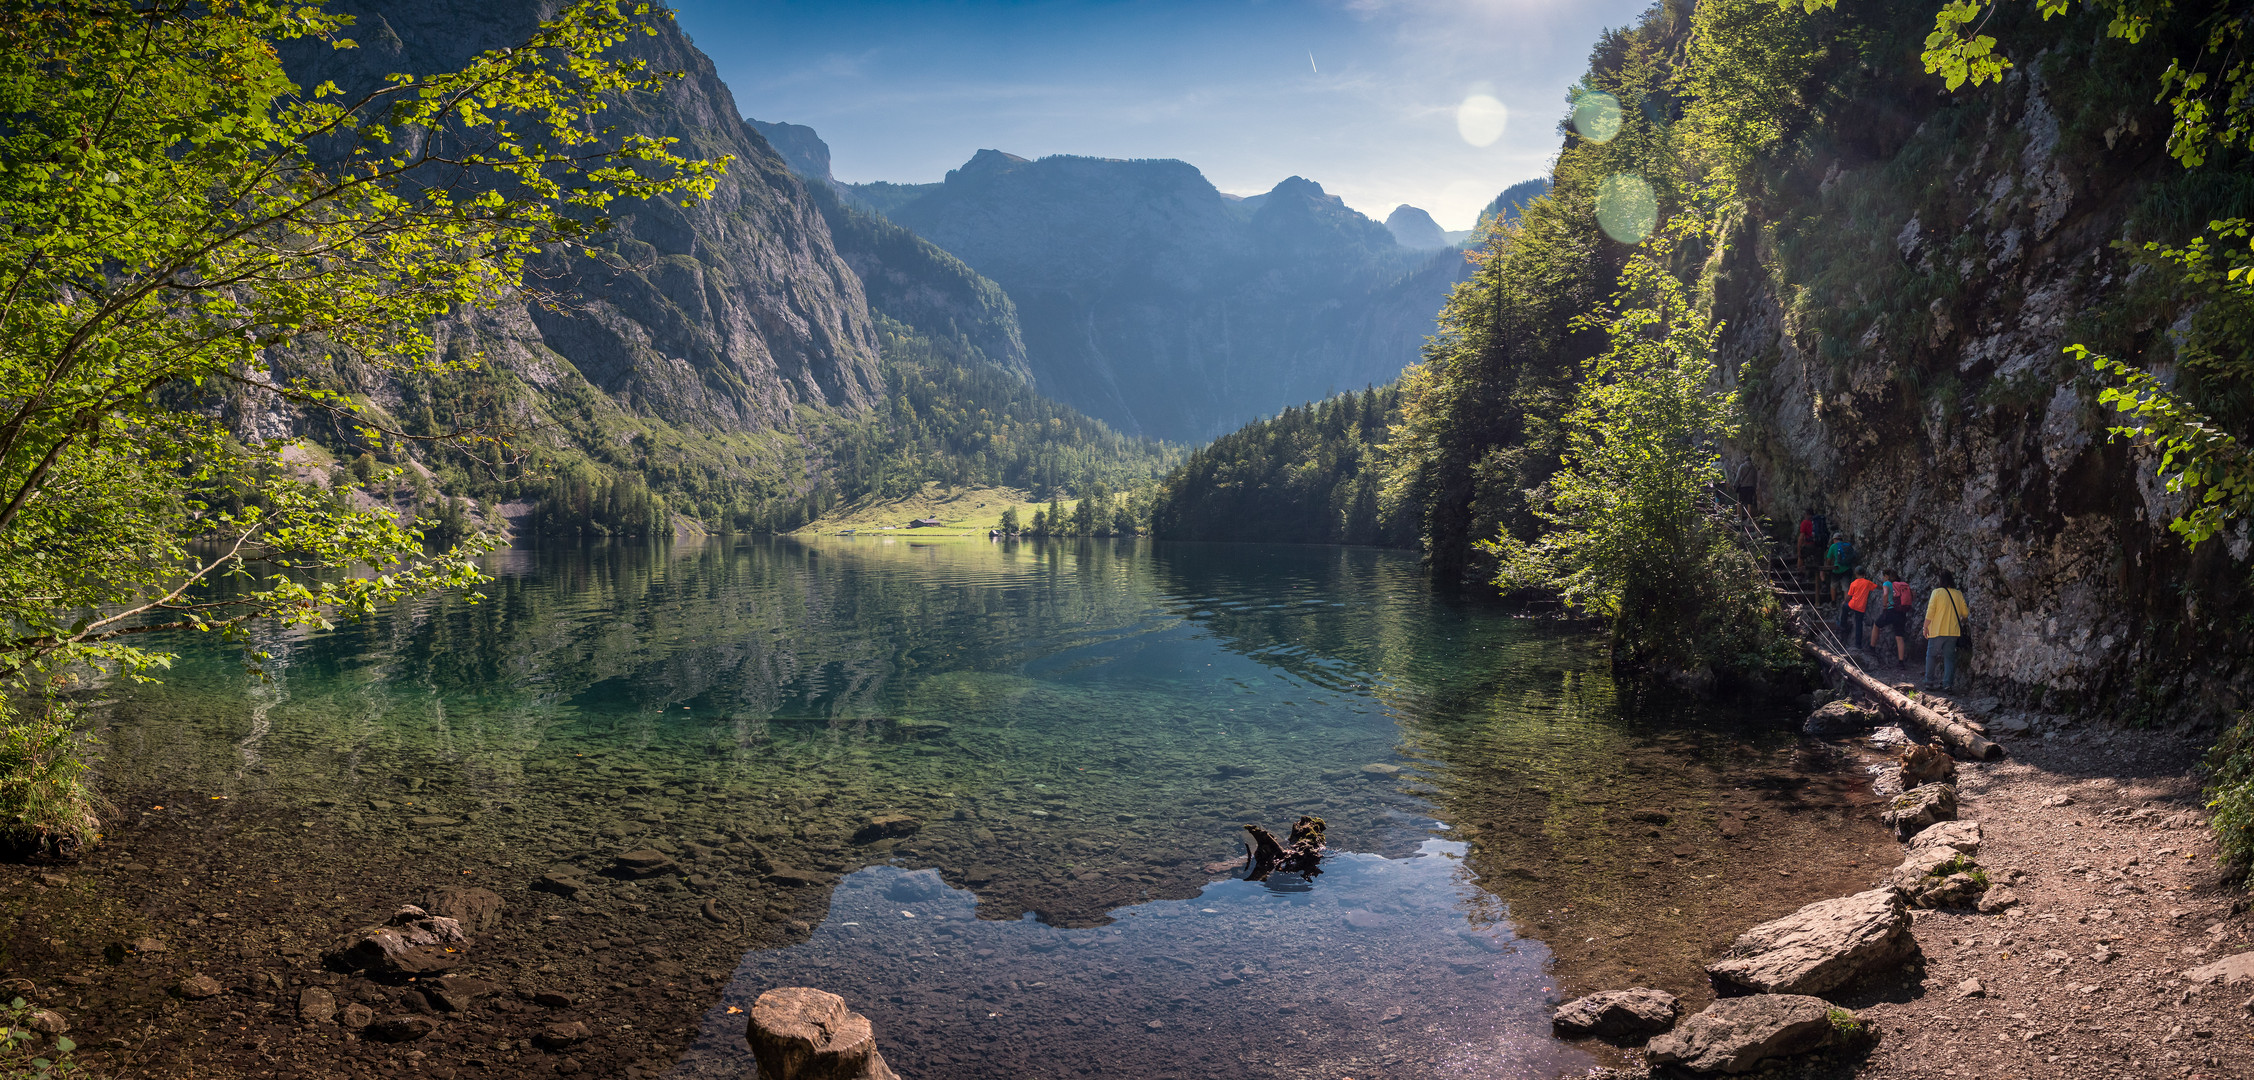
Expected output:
(1154, 302)
(724, 316)
(1900, 310)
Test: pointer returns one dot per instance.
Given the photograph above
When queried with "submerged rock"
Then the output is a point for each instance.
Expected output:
(1913, 810)
(413, 942)
(1735, 1035)
(1623, 1015)
(643, 863)
(1821, 947)
(199, 987)
(799, 1033)
(477, 910)
(316, 1006)
(400, 1028)
(886, 826)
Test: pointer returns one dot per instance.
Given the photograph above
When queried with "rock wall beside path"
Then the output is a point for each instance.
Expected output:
(1905, 372)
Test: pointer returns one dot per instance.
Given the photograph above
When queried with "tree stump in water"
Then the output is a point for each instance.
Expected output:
(1302, 856)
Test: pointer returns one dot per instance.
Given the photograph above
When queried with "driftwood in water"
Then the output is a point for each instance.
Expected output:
(1961, 740)
(1302, 856)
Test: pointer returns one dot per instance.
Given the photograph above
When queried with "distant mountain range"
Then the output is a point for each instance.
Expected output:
(1148, 298)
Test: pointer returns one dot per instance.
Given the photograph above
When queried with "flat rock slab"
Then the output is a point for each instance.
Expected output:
(885, 827)
(1960, 836)
(1735, 1035)
(1621, 1015)
(2236, 968)
(643, 862)
(1821, 947)
(800, 1033)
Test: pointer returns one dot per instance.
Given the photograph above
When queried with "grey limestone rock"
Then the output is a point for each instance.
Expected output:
(1618, 1014)
(1924, 805)
(1735, 1035)
(316, 1006)
(1821, 947)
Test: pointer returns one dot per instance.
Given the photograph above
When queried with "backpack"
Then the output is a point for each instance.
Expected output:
(1846, 558)
(1904, 596)
(1823, 531)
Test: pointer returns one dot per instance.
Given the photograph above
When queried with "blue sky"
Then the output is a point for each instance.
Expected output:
(1435, 103)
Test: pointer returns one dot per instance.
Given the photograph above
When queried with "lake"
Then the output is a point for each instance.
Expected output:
(992, 793)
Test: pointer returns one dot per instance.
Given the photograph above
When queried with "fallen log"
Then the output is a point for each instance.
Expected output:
(1961, 740)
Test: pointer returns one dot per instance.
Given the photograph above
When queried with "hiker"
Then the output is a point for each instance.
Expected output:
(1894, 618)
(1839, 562)
(1856, 609)
(1944, 627)
(1746, 483)
(1805, 543)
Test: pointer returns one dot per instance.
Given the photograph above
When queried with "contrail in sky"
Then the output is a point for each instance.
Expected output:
(1311, 62)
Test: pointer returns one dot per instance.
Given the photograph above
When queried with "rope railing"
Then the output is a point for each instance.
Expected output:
(1738, 519)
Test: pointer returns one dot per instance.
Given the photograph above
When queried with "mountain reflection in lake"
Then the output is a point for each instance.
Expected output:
(1072, 730)
(1374, 970)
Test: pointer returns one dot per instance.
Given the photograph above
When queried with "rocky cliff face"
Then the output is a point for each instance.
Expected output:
(1150, 300)
(1968, 244)
(724, 316)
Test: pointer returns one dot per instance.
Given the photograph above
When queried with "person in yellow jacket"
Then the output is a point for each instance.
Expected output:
(1945, 613)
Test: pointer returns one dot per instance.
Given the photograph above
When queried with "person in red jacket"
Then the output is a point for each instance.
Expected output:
(1806, 542)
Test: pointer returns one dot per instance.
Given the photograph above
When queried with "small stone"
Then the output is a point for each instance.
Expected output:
(53, 881)
(1972, 988)
(1391, 1014)
(568, 886)
(47, 1022)
(199, 987)
(1996, 900)
(553, 1000)
(400, 1028)
(643, 863)
(885, 827)
(357, 1016)
(1156, 1025)
(1380, 770)
(432, 821)
(147, 946)
(456, 993)
(559, 1035)
(1651, 817)
(316, 1006)
(1625, 1015)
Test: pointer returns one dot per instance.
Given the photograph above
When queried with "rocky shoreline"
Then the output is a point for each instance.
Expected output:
(2056, 913)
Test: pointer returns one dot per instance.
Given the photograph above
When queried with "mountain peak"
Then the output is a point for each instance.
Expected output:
(987, 163)
(1413, 228)
(798, 145)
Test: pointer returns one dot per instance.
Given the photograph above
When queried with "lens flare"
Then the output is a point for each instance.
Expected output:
(1626, 208)
(1596, 116)
(1481, 119)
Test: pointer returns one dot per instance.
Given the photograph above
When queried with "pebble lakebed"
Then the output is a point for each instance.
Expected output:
(1060, 769)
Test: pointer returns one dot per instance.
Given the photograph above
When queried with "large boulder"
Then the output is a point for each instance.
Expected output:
(1618, 1015)
(1821, 947)
(799, 1033)
(1735, 1035)
(1913, 810)
(412, 942)
(1840, 718)
(1958, 836)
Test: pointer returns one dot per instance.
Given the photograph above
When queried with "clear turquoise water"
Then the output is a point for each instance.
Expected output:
(1079, 728)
